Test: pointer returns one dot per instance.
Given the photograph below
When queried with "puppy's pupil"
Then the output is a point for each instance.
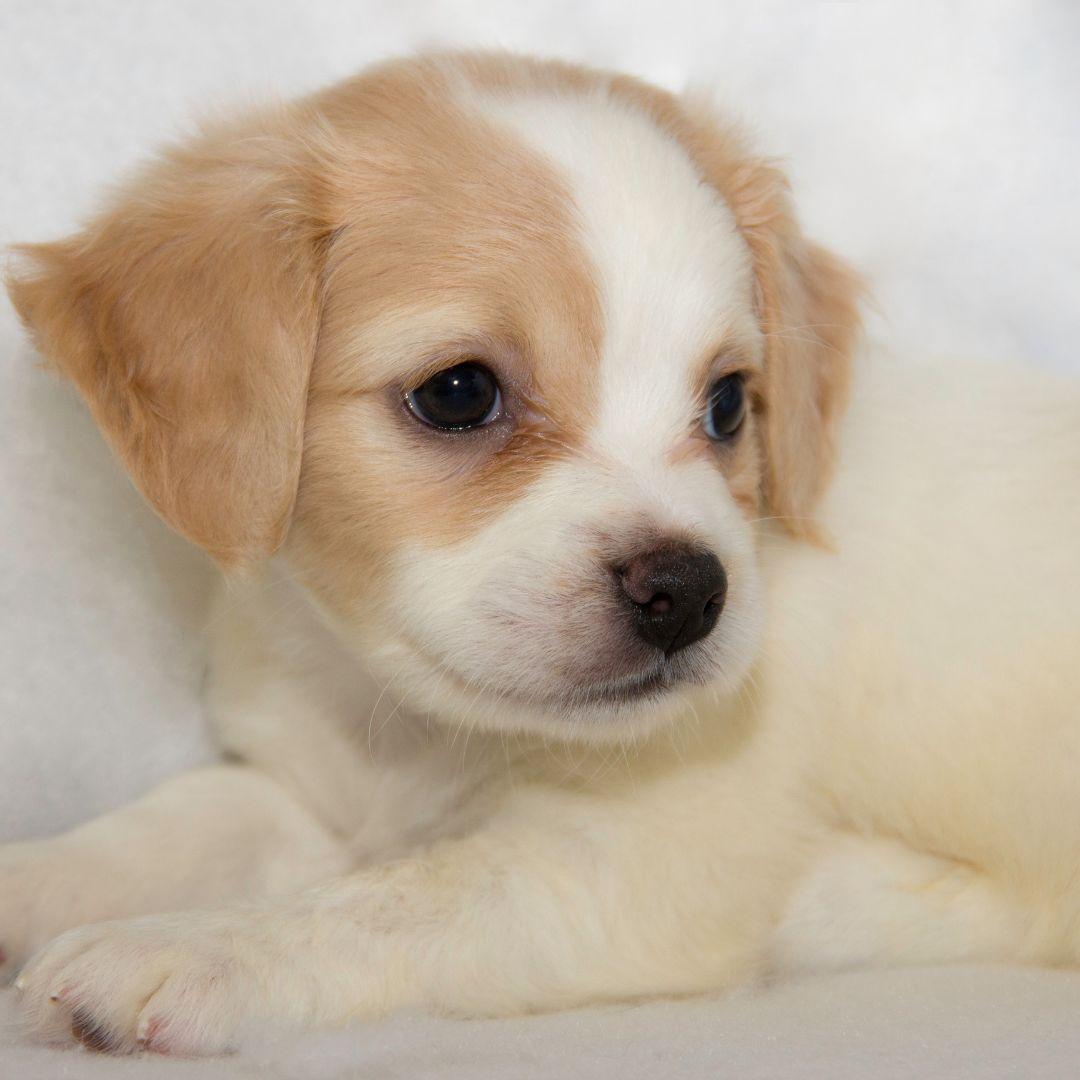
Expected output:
(457, 398)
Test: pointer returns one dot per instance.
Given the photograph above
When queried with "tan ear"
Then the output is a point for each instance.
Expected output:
(186, 315)
(807, 300)
(808, 303)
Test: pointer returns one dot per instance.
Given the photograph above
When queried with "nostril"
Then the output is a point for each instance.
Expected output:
(676, 593)
(660, 604)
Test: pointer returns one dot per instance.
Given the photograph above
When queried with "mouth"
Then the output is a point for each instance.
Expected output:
(624, 691)
(639, 688)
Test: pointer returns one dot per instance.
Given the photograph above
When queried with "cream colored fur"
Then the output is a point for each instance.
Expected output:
(883, 769)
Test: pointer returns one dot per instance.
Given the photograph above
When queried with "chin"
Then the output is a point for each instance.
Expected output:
(597, 710)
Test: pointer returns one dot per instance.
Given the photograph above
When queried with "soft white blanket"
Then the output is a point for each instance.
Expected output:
(935, 145)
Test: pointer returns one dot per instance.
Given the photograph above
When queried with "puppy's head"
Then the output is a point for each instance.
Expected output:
(506, 357)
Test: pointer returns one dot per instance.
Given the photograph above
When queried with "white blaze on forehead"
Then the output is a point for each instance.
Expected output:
(673, 271)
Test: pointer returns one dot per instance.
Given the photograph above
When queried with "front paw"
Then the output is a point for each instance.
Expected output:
(177, 984)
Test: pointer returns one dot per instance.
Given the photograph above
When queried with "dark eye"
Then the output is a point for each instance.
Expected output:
(458, 398)
(726, 409)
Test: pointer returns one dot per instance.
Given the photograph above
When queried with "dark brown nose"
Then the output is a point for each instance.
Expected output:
(676, 593)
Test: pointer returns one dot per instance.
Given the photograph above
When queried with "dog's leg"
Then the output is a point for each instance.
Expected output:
(870, 901)
(558, 901)
(206, 837)
(309, 802)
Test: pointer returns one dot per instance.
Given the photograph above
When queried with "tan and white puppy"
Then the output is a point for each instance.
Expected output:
(579, 645)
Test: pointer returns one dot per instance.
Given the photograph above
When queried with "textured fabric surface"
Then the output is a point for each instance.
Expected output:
(974, 1023)
(935, 145)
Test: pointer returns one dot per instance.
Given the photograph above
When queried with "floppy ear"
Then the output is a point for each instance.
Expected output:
(808, 304)
(186, 315)
(807, 301)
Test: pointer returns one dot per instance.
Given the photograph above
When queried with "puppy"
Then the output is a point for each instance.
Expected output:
(583, 640)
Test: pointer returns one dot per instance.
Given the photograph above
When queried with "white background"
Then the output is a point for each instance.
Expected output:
(935, 145)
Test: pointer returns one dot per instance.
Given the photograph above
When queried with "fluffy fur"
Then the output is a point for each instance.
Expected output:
(440, 785)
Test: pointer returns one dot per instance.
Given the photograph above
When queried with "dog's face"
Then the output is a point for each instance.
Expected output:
(510, 358)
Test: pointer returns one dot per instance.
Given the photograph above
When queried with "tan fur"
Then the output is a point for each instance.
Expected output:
(808, 301)
(186, 315)
(461, 244)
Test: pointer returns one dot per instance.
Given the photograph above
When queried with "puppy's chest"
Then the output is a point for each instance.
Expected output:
(286, 697)
(422, 785)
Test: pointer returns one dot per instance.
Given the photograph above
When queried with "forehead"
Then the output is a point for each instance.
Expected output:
(673, 273)
(559, 222)
(451, 236)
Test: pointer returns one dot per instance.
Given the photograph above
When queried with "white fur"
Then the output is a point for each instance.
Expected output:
(675, 280)
(673, 271)
(895, 782)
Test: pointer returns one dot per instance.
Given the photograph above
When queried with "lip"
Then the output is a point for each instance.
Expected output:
(639, 688)
(634, 689)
